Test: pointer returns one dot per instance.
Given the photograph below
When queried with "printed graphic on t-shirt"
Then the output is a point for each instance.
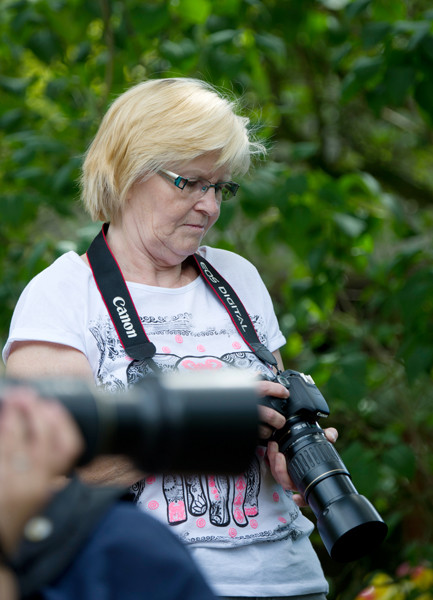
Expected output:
(189, 496)
(209, 504)
(218, 509)
(174, 330)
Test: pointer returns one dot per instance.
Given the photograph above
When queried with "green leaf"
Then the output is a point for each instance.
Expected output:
(348, 383)
(224, 36)
(335, 4)
(427, 46)
(374, 32)
(363, 467)
(15, 85)
(25, 16)
(30, 173)
(351, 226)
(424, 95)
(401, 459)
(365, 72)
(81, 52)
(397, 83)
(421, 31)
(11, 119)
(271, 43)
(176, 52)
(56, 87)
(193, 11)
(150, 18)
(418, 358)
(304, 150)
(356, 8)
(17, 209)
(64, 177)
(418, 29)
(366, 68)
(36, 254)
(45, 45)
(295, 184)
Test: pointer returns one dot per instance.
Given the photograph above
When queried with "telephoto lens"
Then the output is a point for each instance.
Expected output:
(349, 525)
(180, 422)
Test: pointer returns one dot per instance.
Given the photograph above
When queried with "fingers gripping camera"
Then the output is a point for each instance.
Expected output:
(348, 524)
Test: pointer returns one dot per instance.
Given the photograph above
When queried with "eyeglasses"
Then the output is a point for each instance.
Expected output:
(197, 188)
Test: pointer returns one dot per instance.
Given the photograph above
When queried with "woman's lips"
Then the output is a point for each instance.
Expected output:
(195, 226)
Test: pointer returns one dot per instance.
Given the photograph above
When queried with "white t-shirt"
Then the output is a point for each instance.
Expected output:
(245, 532)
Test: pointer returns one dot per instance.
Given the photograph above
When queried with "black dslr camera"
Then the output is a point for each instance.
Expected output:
(348, 524)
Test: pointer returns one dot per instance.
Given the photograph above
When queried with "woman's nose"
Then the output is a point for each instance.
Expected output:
(209, 202)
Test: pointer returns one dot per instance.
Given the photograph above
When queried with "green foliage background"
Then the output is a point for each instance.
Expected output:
(338, 219)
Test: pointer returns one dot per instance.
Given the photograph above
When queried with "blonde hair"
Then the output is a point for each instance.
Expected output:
(155, 125)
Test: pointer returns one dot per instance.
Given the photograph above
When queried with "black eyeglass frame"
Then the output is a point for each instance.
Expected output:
(181, 182)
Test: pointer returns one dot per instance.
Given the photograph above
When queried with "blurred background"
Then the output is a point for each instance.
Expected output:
(338, 219)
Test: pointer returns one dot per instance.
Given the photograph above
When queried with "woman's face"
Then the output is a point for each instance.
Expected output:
(163, 221)
(167, 223)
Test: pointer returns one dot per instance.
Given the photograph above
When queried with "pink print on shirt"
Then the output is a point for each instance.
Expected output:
(199, 364)
(175, 498)
(238, 501)
(186, 495)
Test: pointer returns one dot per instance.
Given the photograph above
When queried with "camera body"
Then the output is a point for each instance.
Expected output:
(348, 524)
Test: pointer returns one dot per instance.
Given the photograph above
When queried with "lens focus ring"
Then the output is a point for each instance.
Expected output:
(314, 461)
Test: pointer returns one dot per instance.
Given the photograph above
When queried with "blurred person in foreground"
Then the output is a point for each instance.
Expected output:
(120, 553)
(38, 441)
(157, 174)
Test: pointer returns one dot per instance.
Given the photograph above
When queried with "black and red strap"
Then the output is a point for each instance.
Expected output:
(129, 328)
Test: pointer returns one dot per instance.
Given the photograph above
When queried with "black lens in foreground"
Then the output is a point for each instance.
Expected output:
(178, 422)
(350, 528)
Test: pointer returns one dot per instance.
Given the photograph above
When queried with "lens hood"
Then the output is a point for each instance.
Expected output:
(350, 527)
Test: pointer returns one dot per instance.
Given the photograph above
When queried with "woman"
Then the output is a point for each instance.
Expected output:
(157, 172)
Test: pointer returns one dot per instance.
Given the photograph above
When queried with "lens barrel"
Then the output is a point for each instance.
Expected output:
(349, 525)
(174, 423)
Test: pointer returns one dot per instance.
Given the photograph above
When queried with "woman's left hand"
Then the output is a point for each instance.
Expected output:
(278, 465)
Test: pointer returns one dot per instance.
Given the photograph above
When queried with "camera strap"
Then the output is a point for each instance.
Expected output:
(74, 513)
(117, 299)
(120, 306)
(235, 308)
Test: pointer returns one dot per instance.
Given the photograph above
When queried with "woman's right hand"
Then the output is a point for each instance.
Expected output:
(272, 419)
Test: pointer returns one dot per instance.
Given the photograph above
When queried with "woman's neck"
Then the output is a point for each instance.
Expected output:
(139, 266)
